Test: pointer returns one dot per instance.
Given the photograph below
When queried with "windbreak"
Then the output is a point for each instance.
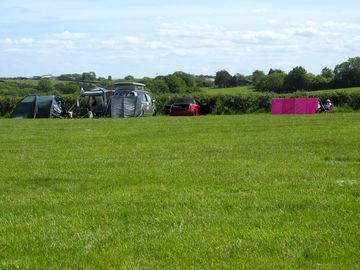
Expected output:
(294, 105)
(125, 106)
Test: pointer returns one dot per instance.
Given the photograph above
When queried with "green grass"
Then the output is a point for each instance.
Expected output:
(227, 91)
(216, 192)
(250, 89)
(348, 90)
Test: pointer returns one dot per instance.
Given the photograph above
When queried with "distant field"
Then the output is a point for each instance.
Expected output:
(250, 89)
(228, 91)
(349, 90)
(216, 192)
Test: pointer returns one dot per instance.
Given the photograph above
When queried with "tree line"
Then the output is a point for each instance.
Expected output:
(344, 75)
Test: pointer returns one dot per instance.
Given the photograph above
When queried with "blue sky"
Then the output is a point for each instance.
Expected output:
(149, 38)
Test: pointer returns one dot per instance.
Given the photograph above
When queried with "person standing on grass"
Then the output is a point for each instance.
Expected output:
(320, 107)
(329, 105)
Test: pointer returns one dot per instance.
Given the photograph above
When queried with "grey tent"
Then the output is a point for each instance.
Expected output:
(35, 106)
(100, 109)
(126, 104)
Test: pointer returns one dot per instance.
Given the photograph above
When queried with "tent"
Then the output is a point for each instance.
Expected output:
(294, 105)
(126, 104)
(35, 106)
(102, 98)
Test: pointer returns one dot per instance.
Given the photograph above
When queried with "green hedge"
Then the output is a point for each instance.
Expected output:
(224, 104)
(261, 102)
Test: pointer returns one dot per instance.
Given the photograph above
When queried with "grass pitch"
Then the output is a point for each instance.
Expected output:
(216, 192)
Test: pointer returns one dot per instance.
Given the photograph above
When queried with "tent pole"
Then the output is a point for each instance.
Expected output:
(35, 107)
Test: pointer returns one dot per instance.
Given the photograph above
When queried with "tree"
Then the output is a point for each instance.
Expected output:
(297, 79)
(223, 79)
(320, 82)
(129, 78)
(237, 79)
(327, 73)
(347, 74)
(271, 71)
(158, 85)
(257, 75)
(88, 76)
(187, 78)
(175, 84)
(271, 83)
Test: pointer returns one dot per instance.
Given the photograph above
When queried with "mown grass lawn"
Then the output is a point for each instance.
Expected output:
(251, 89)
(216, 192)
(228, 91)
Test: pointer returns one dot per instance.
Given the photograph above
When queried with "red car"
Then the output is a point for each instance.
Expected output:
(184, 106)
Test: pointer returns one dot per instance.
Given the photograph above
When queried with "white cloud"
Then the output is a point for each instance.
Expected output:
(259, 10)
(132, 40)
(156, 45)
(266, 35)
(272, 21)
(26, 40)
(7, 42)
(69, 35)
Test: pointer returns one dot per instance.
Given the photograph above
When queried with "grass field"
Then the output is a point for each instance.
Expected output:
(216, 192)
(250, 89)
(348, 90)
(228, 91)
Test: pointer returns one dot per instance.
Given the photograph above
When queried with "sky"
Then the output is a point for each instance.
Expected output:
(149, 38)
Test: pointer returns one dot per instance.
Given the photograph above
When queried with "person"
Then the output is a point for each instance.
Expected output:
(329, 106)
(320, 107)
(92, 104)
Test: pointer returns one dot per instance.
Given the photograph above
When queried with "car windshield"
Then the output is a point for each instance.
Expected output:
(184, 101)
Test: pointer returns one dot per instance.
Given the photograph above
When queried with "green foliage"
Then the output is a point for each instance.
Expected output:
(223, 79)
(257, 75)
(237, 80)
(204, 81)
(88, 76)
(187, 78)
(275, 71)
(158, 85)
(220, 192)
(327, 73)
(297, 79)
(67, 88)
(179, 82)
(271, 83)
(319, 82)
(347, 74)
(15, 88)
(46, 87)
(228, 91)
(175, 83)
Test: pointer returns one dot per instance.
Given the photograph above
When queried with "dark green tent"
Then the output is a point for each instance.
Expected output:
(34, 106)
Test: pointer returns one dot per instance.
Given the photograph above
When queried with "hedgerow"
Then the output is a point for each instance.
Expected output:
(222, 104)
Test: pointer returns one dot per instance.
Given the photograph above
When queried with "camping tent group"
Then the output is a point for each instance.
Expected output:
(126, 103)
(119, 103)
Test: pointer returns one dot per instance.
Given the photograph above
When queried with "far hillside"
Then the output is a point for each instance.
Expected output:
(250, 89)
(227, 91)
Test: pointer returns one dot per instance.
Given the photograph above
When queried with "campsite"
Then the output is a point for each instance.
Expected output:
(255, 190)
(175, 135)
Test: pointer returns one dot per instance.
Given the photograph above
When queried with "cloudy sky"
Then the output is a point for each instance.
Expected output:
(149, 38)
